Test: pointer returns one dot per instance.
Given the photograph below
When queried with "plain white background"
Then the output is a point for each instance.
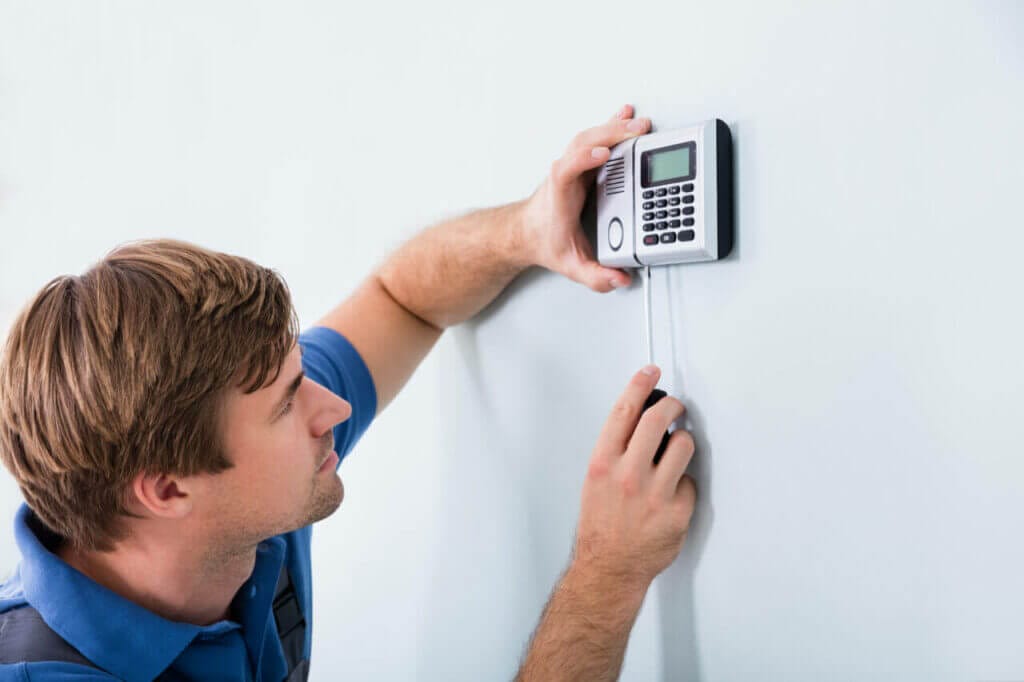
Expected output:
(852, 372)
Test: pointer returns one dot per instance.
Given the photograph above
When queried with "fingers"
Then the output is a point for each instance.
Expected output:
(611, 133)
(686, 497)
(590, 148)
(673, 463)
(650, 429)
(625, 112)
(622, 421)
(576, 162)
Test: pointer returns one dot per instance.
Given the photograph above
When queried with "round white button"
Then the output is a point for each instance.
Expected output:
(615, 234)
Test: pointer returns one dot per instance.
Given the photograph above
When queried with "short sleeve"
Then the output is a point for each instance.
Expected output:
(330, 360)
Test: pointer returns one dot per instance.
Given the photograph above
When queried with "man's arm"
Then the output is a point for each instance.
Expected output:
(441, 277)
(449, 272)
(634, 517)
(583, 631)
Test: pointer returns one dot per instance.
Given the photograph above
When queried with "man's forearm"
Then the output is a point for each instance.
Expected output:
(584, 630)
(449, 272)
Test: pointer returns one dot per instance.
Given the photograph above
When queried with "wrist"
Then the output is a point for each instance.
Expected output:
(519, 243)
(623, 591)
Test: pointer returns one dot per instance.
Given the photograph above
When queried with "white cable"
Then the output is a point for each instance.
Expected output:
(647, 315)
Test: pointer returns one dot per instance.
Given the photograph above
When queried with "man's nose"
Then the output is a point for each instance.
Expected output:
(332, 407)
(344, 408)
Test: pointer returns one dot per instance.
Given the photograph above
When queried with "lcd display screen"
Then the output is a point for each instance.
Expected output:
(671, 165)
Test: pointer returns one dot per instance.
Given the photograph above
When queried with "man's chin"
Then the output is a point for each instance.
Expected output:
(326, 499)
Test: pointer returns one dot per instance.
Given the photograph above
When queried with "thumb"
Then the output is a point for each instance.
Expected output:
(592, 274)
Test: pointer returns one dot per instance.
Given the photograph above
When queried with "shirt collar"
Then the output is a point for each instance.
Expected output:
(115, 633)
(254, 603)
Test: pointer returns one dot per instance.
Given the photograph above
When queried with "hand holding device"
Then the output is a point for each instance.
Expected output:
(634, 514)
(551, 234)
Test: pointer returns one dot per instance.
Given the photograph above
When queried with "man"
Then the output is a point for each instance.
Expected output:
(174, 437)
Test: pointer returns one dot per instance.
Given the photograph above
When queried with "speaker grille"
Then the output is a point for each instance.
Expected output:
(615, 180)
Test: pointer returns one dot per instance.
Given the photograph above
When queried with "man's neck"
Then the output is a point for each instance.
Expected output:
(178, 581)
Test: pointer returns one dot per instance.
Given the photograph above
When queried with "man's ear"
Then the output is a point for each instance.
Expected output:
(161, 496)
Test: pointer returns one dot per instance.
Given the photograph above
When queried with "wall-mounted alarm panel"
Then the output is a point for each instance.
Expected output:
(666, 197)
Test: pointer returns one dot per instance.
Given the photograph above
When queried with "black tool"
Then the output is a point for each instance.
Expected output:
(656, 395)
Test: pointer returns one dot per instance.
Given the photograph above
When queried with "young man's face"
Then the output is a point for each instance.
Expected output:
(280, 441)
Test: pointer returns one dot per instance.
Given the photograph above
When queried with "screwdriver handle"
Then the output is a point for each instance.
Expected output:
(656, 395)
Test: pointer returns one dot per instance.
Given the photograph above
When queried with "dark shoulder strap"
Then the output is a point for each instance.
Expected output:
(26, 638)
(291, 627)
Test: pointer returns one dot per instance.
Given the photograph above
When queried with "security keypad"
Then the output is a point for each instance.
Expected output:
(672, 192)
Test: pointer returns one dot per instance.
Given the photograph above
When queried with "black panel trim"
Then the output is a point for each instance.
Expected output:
(723, 161)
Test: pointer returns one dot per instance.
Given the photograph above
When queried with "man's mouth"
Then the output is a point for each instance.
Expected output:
(328, 448)
(328, 456)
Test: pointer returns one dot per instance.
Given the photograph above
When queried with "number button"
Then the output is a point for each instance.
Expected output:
(674, 189)
(687, 222)
(648, 216)
(688, 199)
(687, 210)
(660, 193)
(661, 203)
(648, 227)
(674, 201)
(648, 205)
(648, 194)
(688, 187)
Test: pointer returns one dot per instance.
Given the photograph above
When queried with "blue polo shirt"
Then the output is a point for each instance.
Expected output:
(131, 643)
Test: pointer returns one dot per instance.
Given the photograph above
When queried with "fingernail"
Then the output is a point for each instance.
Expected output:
(615, 283)
(649, 370)
(599, 152)
(636, 124)
(623, 110)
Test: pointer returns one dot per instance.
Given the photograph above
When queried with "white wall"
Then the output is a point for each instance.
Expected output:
(852, 373)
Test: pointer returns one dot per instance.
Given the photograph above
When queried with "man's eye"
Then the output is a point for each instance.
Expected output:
(287, 407)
